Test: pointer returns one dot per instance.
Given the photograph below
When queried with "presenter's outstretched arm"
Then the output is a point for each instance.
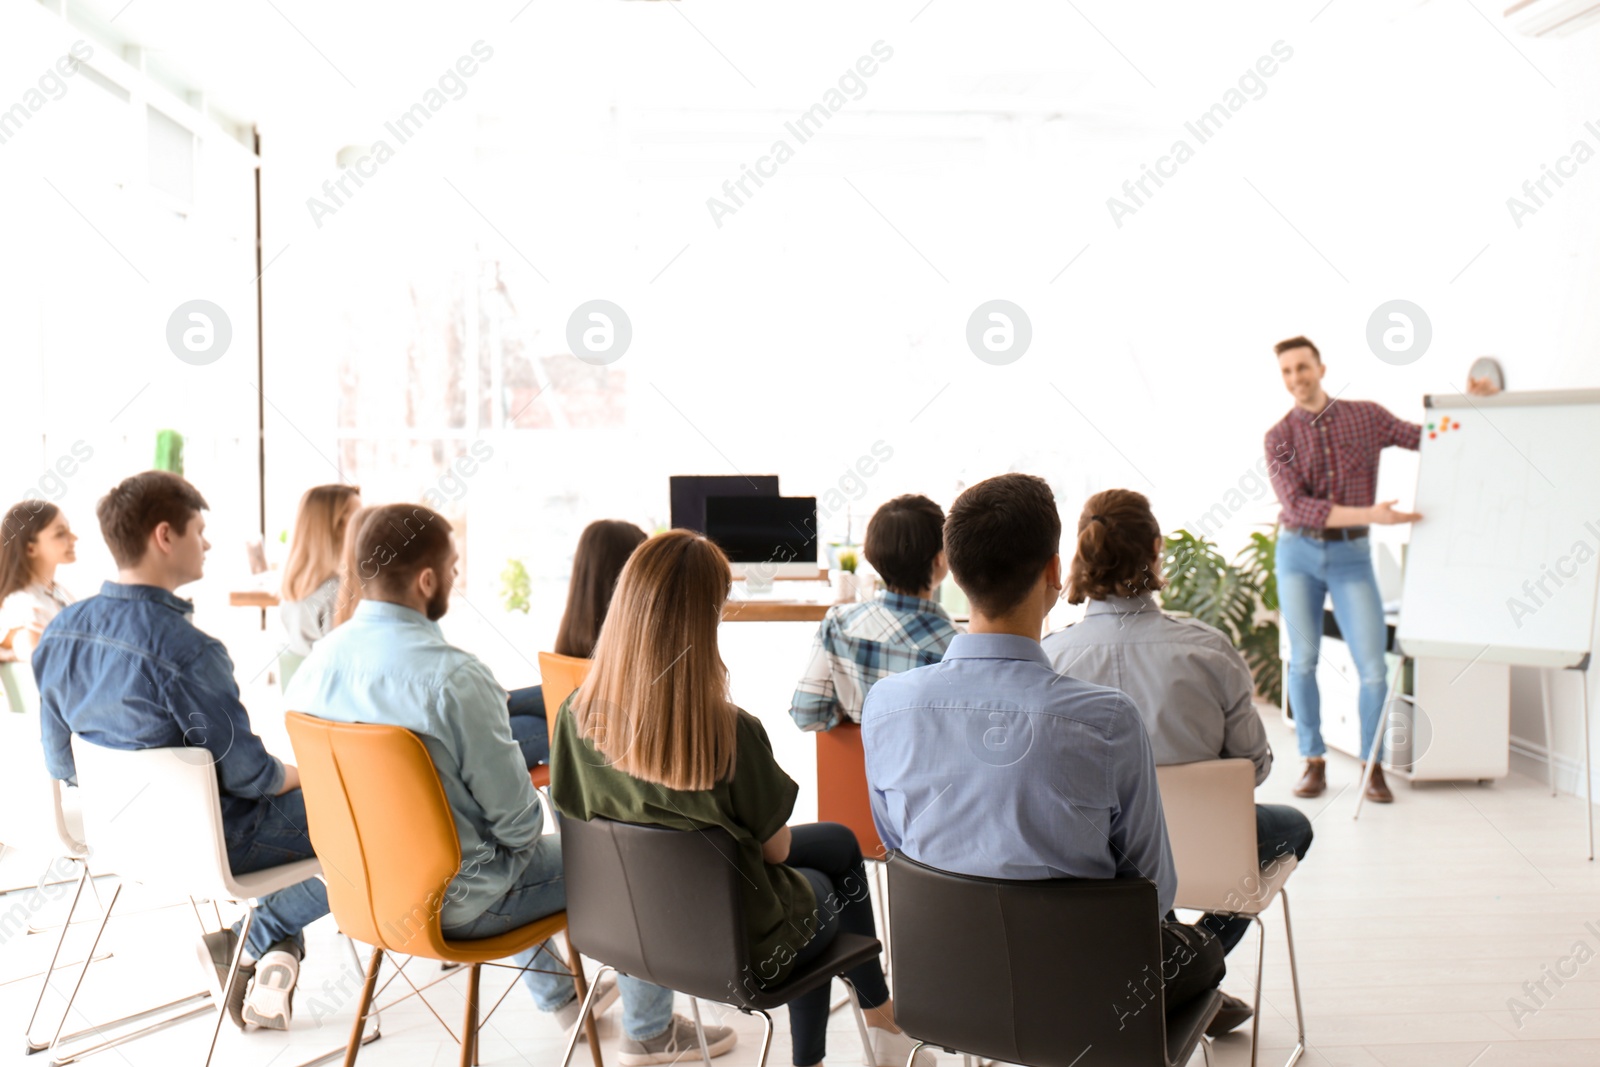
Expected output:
(1380, 514)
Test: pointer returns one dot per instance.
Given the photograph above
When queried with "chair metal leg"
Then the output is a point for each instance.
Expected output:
(1294, 981)
(469, 1025)
(918, 1047)
(1205, 1049)
(766, 1039)
(583, 1015)
(49, 972)
(581, 985)
(861, 1020)
(1261, 969)
(88, 959)
(233, 974)
(57, 1059)
(700, 1031)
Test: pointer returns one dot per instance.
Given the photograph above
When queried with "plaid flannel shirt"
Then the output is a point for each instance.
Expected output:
(857, 644)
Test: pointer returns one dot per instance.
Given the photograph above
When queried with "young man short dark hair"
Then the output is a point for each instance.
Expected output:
(857, 644)
(128, 670)
(990, 764)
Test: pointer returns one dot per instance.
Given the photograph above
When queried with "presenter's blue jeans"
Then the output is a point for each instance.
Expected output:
(1308, 571)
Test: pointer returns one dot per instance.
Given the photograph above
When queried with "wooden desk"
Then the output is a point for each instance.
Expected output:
(735, 611)
(774, 611)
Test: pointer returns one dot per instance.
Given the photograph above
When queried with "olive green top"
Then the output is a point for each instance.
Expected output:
(779, 903)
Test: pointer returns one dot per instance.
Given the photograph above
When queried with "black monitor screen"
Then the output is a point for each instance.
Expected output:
(764, 529)
(689, 492)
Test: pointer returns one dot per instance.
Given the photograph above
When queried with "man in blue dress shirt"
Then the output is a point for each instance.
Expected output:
(990, 764)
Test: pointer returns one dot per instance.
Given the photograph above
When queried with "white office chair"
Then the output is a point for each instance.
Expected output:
(1211, 823)
(34, 817)
(155, 817)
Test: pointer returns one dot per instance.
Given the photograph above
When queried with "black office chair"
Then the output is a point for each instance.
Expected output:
(663, 906)
(1036, 973)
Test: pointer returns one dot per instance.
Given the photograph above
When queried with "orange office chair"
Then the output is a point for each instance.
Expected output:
(387, 841)
(842, 786)
(561, 675)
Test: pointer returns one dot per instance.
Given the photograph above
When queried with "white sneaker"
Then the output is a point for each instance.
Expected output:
(677, 1042)
(605, 996)
(270, 1003)
(894, 1050)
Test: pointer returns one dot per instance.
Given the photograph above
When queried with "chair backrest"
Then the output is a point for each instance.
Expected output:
(660, 905)
(1027, 972)
(559, 676)
(842, 795)
(31, 815)
(1211, 821)
(21, 695)
(382, 827)
(154, 815)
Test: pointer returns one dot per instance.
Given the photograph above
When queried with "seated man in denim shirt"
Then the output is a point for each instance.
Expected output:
(390, 664)
(990, 764)
(128, 670)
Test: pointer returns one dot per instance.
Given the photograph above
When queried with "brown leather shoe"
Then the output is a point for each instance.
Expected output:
(1230, 1016)
(1314, 780)
(1377, 788)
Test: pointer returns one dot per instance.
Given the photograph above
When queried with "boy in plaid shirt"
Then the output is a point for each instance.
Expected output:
(897, 630)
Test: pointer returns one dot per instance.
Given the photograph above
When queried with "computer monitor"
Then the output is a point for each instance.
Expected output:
(765, 537)
(689, 492)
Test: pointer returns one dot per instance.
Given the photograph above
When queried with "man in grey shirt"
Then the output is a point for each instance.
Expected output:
(1191, 686)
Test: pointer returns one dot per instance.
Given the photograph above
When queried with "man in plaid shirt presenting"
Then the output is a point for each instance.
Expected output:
(1323, 456)
(857, 644)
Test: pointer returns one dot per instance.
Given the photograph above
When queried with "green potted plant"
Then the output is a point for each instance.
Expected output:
(516, 588)
(1240, 598)
(844, 578)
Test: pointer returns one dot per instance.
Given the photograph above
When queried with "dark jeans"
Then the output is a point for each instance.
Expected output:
(1280, 831)
(278, 837)
(528, 726)
(1191, 964)
(829, 857)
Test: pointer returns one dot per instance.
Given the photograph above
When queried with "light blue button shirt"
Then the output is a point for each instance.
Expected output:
(991, 764)
(390, 665)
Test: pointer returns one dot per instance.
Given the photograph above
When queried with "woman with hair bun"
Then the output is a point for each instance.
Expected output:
(1193, 689)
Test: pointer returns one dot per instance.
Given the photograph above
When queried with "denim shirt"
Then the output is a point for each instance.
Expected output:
(128, 670)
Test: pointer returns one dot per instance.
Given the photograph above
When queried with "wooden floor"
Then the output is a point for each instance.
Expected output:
(1424, 931)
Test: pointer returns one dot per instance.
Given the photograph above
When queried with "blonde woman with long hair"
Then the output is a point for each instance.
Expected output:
(311, 575)
(651, 737)
(350, 581)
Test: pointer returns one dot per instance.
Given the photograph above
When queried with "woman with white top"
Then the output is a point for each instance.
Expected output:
(35, 540)
(310, 594)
